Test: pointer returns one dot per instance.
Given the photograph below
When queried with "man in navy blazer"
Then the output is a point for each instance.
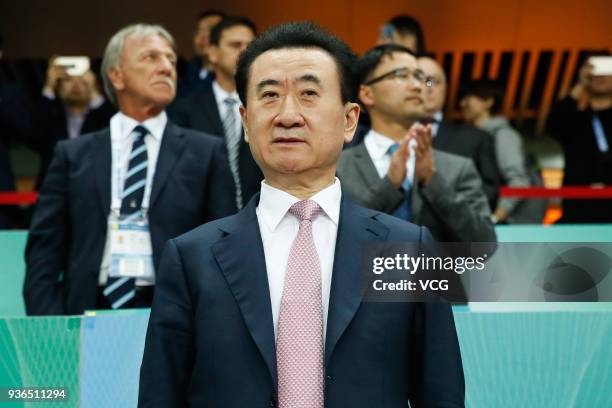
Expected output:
(228, 327)
(189, 183)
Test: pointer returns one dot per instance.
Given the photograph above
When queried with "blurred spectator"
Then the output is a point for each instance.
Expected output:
(214, 110)
(200, 71)
(396, 170)
(403, 30)
(582, 123)
(111, 199)
(481, 105)
(15, 127)
(70, 106)
(463, 140)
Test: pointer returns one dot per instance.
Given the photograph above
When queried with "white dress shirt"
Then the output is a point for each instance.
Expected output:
(220, 96)
(438, 117)
(278, 231)
(378, 146)
(122, 139)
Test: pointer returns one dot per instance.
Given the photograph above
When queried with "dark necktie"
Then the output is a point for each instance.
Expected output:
(120, 290)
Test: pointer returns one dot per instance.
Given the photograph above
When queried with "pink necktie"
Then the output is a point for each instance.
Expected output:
(299, 346)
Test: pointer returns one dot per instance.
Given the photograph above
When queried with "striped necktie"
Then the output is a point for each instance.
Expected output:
(404, 210)
(120, 290)
(232, 140)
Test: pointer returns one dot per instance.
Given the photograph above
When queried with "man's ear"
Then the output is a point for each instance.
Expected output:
(243, 117)
(366, 96)
(116, 77)
(351, 116)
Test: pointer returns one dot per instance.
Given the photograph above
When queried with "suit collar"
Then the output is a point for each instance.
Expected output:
(100, 157)
(241, 257)
(357, 228)
(250, 287)
(170, 150)
(206, 104)
(365, 165)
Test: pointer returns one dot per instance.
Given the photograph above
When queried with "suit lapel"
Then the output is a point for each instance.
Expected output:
(356, 229)
(416, 203)
(172, 146)
(101, 160)
(211, 111)
(365, 166)
(240, 255)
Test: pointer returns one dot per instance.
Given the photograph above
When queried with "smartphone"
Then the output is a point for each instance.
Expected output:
(602, 66)
(75, 66)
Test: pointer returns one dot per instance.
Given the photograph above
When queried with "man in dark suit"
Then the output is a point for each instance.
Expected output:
(214, 110)
(70, 106)
(142, 168)
(463, 140)
(198, 71)
(439, 190)
(271, 298)
(15, 126)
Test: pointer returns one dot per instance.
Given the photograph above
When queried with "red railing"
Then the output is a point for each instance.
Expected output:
(568, 192)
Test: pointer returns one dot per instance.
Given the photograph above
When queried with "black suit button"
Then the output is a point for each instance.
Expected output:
(273, 401)
(329, 378)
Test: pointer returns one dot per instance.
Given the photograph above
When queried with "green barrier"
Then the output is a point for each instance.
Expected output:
(12, 247)
(41, 352)
(12, 272)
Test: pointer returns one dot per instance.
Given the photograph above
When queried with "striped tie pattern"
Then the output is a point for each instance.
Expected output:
(232, 140)
(299, 346)
(404, 210)
(119, 291)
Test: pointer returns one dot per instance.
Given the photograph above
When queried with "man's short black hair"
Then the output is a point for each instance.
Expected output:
(300, 35)
(228, 22)
(408, 25)
(210, 13)
(484, 89)
(368, 63)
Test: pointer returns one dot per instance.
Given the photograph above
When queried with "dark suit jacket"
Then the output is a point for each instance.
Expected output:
(467, 141)
(51, 127)
(211, 329)
(189, 78)
(199, 111)
(15, 127)
(68, 232)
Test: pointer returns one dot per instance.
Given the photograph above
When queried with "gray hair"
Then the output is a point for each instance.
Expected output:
(114, 50)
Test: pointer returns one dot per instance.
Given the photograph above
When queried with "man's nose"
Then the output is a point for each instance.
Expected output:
(289, 114)
(165, 66)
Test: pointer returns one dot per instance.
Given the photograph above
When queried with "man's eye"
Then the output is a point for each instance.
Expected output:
(269, 94)
(402, 75)
(309, 92)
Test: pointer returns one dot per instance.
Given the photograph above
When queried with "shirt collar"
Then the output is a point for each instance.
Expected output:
(275, 203)
(378, 144)
(125, 124)
(221, 94)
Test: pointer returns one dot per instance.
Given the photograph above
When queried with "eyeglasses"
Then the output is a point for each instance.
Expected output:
(403, 74)
(431, 81)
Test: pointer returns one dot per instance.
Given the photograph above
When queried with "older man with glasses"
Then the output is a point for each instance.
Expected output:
(396, 170)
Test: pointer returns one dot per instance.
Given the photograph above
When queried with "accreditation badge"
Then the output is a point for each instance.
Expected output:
(130, 247)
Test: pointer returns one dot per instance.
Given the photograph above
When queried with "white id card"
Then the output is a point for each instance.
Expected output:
(130, 248)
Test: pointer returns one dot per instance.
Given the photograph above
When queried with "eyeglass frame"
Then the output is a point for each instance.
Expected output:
(394, 74)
